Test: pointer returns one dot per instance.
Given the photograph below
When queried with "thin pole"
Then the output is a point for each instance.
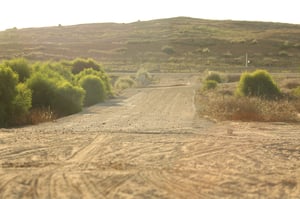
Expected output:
(246, 60)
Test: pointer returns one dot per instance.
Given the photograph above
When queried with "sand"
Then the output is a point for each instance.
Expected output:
(150, 143)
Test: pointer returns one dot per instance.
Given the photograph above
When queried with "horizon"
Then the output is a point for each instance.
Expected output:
(113, 22)
(34, 13)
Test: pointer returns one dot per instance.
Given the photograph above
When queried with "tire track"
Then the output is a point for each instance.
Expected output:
(148, 146)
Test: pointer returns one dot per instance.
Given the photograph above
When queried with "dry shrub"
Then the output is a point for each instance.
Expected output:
(291, 84)
(232, 77)
(245, 108)
(213, 76)
(124, 83)
(296, 104)
(39, 115)
(209, 84)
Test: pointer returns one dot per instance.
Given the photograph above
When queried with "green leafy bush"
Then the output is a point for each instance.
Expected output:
(49, 71)
(94, 88)
(68, 99)
(102, 75)
(209, 84)
(19, 66)
(48, 89)
(8, 92)
(58, 69)
(21, 105)
(43, 90)
(259, 84)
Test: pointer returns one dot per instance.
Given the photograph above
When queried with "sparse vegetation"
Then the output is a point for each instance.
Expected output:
(246, 108)
(209, 84)
(213, 76)
(168, 50)
(124, 83)
(261, 100)
(296, 92)
(143, 77)
(195, 44)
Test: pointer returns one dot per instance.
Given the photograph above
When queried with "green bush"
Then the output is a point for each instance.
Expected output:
(19, 66)
(68, 99)
(259, 84)
(49, 71)
(94, 88)
(48, 89)
(21, 104)
(58, 69)
(209, 84)
(43, 90)
(214, 76)
(102, 75)
(8, 92)
(79, 65)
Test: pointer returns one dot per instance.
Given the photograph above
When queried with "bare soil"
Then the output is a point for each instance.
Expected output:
(150, 143)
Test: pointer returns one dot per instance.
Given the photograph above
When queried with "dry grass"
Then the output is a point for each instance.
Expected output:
(124, 83)
(291, 83)
(219, 106)
(40, 115)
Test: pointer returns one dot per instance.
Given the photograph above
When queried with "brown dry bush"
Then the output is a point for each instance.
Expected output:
(39, 115)
(221, 107)
(291, 84)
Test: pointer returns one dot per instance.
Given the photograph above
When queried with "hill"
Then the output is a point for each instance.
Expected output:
(165, 44)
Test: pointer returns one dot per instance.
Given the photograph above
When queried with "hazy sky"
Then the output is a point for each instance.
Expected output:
(36, 13)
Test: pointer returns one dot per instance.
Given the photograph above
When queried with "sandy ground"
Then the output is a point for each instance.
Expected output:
(149, 143)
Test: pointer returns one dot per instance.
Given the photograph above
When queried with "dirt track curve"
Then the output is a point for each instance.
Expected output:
(148, 143)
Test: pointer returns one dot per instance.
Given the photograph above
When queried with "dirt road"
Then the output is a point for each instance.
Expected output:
(149, 143)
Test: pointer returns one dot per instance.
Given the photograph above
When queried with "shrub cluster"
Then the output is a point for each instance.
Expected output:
(14, 97)
(28, 91)
(211, 81)
(258, 84)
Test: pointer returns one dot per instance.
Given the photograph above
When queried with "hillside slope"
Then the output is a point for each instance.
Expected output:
(166, 44)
